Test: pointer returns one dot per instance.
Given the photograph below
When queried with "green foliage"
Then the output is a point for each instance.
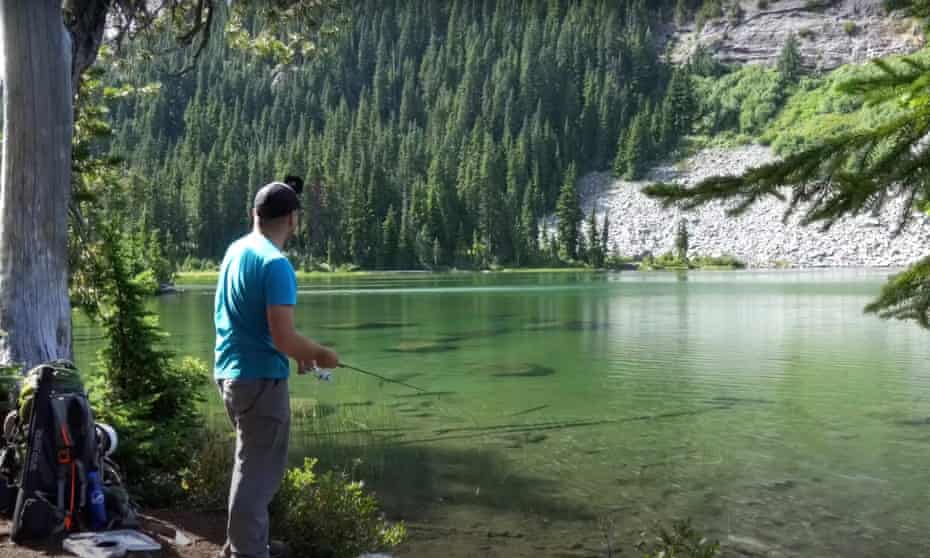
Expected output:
(206, 479)
(666, 261)
(716, 262)
(919, 8)
(596, 254)
(704, 64)
(906, 296)
(821, 108)
(570, 216)
(150, 398)
(142, 391)
(429, 108)
(678, 109)
(745, 100)
(850, 28)
(818, 4)
(10, 376)
(790, 65)
(329, 515)
(682, 240)
(637, 148)
(288, 32)
(192, 263)
(848, 174)
(682, 541)
(710, 10)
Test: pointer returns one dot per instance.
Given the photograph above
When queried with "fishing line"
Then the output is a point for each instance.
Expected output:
(420, 391)
(380, 377)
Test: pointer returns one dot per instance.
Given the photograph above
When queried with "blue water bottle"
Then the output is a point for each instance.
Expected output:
(97, 507)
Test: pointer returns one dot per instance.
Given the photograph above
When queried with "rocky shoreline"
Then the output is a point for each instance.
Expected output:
(760, 238)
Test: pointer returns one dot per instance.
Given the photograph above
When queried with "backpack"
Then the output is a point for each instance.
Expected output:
(53, 454)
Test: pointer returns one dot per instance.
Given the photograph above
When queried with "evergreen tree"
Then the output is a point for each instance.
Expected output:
(605, 236)
(529, 229)
(790, 64)
(681, 241)
(678, 110)
(569, 214)
(637, 149)
(473, 103)
(854, 172)
(595, 253)
(390, 241)
(620, 158)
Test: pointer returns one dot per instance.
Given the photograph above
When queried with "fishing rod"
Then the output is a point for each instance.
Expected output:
(379, 376)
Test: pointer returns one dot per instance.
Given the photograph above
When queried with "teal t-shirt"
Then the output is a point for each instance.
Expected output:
(253, 276)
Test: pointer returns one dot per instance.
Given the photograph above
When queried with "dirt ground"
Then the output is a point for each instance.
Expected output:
(205, 532)
(448, 536)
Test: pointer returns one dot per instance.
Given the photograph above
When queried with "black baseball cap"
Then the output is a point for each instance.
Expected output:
(295, 182)
(276, 200)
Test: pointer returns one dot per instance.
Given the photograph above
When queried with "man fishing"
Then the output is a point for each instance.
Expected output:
(254, 317)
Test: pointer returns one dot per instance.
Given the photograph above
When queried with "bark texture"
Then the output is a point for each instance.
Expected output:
(86, 20)
(35, 182)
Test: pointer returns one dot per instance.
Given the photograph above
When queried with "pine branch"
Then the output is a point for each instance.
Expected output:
(847, 175)
(842, 176)
(906, 296)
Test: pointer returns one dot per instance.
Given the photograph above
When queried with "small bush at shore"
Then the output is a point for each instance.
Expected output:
(330, 515)
(682, 541)
(317, 515)
(670, 261)
(205, 481)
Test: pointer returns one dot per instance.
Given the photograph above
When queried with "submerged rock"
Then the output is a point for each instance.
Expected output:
(421, 347)
(368, 325)
(524, 371)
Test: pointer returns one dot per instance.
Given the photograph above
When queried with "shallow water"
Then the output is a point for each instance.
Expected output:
(765, 405)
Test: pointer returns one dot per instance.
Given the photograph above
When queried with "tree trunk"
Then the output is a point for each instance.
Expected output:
(35, 182)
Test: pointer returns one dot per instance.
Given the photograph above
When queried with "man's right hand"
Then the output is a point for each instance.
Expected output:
(327, 358)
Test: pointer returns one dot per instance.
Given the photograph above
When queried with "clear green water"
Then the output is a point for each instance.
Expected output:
(765, 405)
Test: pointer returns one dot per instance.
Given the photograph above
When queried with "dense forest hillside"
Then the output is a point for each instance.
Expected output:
(430, 133)
(436, 134)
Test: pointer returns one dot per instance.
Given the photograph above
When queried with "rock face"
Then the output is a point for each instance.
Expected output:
(640, 225)
(846, 31)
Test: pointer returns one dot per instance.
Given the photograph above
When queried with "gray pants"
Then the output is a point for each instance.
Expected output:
(260, 412)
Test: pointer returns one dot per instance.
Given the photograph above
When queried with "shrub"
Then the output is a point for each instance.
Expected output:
(681, 542)
(718, 261)
(142, 390)
(850, 28)
(205, 481)
(819, 109)
(712, 9)
(763, 4)
(329, 515)
(10, 376)
(745, 100)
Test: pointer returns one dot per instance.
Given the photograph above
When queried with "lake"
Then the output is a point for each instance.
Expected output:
(565, 410)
